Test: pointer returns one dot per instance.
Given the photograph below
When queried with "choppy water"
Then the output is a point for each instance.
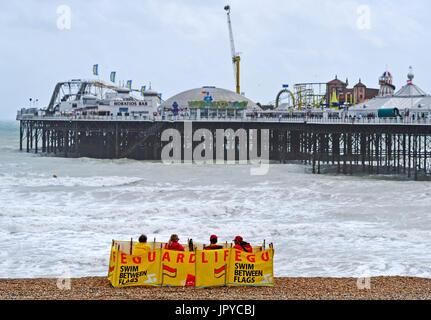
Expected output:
(321, 225)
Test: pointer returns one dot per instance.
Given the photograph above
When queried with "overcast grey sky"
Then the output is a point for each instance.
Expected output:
(184, 44)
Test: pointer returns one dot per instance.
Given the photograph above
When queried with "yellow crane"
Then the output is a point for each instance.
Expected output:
(235, 55)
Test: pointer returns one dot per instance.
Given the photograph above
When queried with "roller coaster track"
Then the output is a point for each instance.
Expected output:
(55, 95)
(277, 99)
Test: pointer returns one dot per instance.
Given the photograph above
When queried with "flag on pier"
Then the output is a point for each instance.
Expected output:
(96, 69)
(143, 90)
(129, 84)
(113, 73)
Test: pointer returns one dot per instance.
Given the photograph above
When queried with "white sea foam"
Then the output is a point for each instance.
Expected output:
(321, 225)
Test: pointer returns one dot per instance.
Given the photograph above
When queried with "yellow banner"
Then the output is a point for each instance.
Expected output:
(131, 270)
(251, 269)
(211, 267)
(178, 268)
(200, 268)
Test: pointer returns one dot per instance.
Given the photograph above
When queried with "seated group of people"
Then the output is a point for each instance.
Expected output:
(142, 247)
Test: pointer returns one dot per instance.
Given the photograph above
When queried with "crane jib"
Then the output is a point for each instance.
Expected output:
(235, 56)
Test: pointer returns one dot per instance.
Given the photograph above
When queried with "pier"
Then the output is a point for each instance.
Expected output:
(372, 146)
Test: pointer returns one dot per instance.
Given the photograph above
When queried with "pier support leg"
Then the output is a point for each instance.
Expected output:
(415, 156)
(66, 142)
(319, 155)
(36, 138)
(28, 137)
(117, 142)
(363, 150)
(314, 153)
(20, 135)
(378, 138)
(409, 155)
(43, 139)
(31, 135)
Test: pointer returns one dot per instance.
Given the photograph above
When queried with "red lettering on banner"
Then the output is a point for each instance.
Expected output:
(251, 258)
(237, 255)
(216, 256)
(151, 259)
(180, 257)
(166, 257)
(137, 260)
(113, 255)
(123, 258)
(192, 258)
(226, 254)
(203, 258)
(265, 256)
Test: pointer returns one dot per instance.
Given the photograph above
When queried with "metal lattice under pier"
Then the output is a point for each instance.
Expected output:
(376, 148)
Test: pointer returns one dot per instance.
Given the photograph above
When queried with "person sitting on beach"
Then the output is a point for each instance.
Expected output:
(213, 244)
(141, 248)
(242, 245)
(173, 244)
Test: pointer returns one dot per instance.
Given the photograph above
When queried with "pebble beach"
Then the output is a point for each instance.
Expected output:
(99, 288)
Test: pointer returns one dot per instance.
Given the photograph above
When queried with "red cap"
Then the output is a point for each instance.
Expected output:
(213, 237)
(237, 238)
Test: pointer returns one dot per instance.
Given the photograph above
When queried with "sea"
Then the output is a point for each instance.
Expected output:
(324, 225)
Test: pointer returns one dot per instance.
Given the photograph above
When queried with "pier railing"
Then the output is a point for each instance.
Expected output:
(305, 119)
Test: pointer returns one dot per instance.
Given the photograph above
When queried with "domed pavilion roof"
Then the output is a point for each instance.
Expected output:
(207, 95)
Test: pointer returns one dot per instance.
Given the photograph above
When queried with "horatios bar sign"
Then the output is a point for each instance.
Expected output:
(130, 103)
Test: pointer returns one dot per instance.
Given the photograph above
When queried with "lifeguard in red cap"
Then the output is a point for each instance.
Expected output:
(213, 244)
(242, 245)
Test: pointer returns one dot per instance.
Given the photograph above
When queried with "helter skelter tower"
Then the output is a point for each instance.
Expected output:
(386, 86)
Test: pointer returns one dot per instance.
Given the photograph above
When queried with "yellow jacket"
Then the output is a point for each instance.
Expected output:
(140, 249)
